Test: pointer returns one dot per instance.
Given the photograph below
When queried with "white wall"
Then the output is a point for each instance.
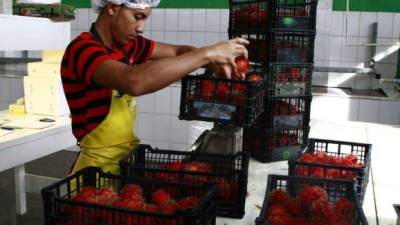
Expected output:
(200, 27)
(157, 118)
(331, 49)
(10, 90)
(196, 27)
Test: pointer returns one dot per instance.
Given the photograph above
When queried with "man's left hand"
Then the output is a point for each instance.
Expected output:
(225, 71)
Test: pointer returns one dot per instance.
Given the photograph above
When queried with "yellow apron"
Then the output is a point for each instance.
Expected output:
(112, 139)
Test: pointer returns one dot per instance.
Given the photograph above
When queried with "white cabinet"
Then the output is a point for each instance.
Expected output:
(20, 33)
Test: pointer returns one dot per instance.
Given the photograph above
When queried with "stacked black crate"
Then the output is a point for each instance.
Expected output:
(281, 35)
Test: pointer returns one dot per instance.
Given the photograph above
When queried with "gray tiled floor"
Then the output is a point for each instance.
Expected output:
(55, 165)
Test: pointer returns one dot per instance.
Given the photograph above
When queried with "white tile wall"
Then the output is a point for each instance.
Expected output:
(162, 145)
(4, 106)
(212, 38)
(385, 25)
(185, 19)
(171, 19)
(162, 100)
(171, 37)
(396, 26)
(145, 126)
(92, 16)
(162, 127)
(175, 100)
(11, 89)
(4, 90)
(158, 20)
(223, 36)
(145, 103)
(17, 87)
(324, 22)
(147, 142)
(82, 19)
(321, 42)
(157, 118)
(184, 38)
(179, 131)
(337, 26)
(158, 36)
(213, 17)
(198, 39)
(366, 19)
(148, 34)
(335, 47)
(224, 20)
(199, 20)
(325, 4)
(180, 147)
(331, 43)
(349, 53)
(353, 23)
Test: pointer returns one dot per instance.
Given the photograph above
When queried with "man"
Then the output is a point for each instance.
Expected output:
(102, 70)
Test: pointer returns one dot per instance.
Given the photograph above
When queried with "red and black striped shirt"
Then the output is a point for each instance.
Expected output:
(88, 102)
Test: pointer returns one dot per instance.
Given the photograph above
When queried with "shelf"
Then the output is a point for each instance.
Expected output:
(20, 33)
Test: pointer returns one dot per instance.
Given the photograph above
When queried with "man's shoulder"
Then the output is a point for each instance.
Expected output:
(84, 38)
(138, 39)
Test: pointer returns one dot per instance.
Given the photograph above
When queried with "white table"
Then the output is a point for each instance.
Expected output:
(25, 145)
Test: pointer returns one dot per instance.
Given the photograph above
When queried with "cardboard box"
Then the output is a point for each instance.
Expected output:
(52, 55)
(44, 95)
(44, 69)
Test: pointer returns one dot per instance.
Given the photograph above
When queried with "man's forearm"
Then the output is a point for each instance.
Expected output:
(160, 73)
(182, 49)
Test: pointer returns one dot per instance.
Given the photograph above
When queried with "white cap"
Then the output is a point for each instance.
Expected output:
(97, 5)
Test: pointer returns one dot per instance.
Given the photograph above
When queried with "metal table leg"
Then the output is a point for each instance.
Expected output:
(20, 192)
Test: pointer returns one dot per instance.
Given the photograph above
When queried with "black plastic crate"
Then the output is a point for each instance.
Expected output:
(336, 189)
(283, 47)
(263, 15)
(250, 15)
(360, 175)
(59, 208)
(289, 80)
(288, 47)
(285, 113)
(221, 100)
(229, 172)
(294, 15)
(397, 209)
(266, 145)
